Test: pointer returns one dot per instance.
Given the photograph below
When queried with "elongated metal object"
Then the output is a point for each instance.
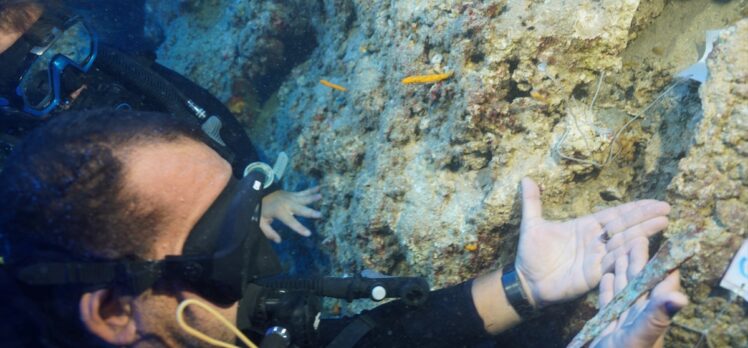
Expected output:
(671, 255)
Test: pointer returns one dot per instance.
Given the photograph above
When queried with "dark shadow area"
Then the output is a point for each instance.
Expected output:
(124, 25)
(674, 120)
(552, 328)
(295, 48)
(514, 92)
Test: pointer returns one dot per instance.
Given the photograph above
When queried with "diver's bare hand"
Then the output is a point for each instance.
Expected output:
(643, 325)
(284, 206)
(559, 261)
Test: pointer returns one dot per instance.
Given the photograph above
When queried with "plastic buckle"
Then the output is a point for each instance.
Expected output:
(264, 169)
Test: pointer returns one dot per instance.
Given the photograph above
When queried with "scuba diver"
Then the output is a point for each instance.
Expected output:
(58, 64)
(120, 227)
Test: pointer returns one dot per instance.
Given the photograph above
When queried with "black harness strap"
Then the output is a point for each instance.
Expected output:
(353, 332)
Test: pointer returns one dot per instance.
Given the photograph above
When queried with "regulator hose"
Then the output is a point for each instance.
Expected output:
(162, 91)
(130, 71)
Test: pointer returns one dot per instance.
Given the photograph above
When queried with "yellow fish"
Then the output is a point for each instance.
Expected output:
(332, 85)
(426, 78)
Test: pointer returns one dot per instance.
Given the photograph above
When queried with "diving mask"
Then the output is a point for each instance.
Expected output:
(224, 252)
(31, 80)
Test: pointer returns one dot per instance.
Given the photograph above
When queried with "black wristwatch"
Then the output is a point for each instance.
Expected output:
(514, 292)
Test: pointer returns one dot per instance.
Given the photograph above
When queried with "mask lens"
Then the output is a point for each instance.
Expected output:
(74, 44)
(37, 90)
(70, 47)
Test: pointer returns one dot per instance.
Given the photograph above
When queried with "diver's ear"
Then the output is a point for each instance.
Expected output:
(108, 316)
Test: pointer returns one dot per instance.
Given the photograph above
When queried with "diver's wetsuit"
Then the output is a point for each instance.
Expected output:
(448, 319)
(106, 90)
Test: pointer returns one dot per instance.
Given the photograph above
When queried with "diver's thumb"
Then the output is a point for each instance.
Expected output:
(654, 320)
(531, 205)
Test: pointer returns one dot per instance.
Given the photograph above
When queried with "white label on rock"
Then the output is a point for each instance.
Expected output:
(736, 278)
(698, 71)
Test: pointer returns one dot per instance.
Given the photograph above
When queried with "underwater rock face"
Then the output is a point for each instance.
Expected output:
(423, 179)
(236, 49)
(710, 193)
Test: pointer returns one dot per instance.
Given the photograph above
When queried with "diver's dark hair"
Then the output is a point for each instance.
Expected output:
(62, 191)
(18, 15)
(62, 186)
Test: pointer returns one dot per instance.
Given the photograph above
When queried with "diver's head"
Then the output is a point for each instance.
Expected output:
(15, 18)
(106, 185)
(42, 48)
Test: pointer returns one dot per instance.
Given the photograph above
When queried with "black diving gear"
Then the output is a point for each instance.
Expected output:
(33, 68)
(119, 81)
(224, 251)
(58, 64)
(226, 258)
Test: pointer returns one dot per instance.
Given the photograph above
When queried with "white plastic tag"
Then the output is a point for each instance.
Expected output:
(279, 168)
(736, 278)
(698, 71)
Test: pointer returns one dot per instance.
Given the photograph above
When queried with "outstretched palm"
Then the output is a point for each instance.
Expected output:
(562, 260)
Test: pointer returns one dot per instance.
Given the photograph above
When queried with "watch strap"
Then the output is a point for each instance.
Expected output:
(514, 292)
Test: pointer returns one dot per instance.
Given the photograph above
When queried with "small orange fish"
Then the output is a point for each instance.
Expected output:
(332, 85)
(471, 247)
(426, 78)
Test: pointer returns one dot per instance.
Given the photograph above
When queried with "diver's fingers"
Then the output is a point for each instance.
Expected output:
(637, 216)
(606, 289)
(608, 215)
(638, 255)
(645, 228)
(269, 232)
(531, 204)
(609, 260)
(671, 283)
(660, 342)
(295, 225)
(654, 320)
(302, 210)
(307, 199)
(606, 337)
(314, 189)
(611, 327)
(621, 279)
(607, 286)
(636, 309)
(308, 192)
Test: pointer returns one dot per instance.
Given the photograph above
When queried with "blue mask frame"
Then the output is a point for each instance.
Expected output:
(56, 68)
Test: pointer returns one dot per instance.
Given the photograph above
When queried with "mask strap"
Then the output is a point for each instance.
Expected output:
(14, 61)
(202, 336)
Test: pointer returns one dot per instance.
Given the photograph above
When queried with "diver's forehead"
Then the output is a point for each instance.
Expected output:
(7, 39)
(179, 179)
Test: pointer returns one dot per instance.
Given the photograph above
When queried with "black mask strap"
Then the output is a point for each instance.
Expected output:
(14, 63)
(203, 237)
(229, 236)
